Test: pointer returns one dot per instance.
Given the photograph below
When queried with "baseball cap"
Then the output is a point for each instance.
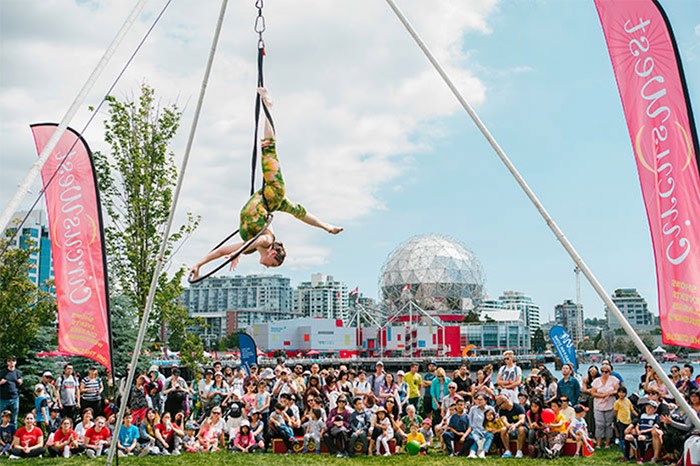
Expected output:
(653, 403)
(379, 363)
(580, 408)
(48, 374)
(400, 373)
(433, 362)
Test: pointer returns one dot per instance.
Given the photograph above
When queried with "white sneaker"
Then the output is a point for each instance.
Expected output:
(472, 454)
(13, 457)
(90, 453)
(387, 454)
(519, 454)
(482, 455)
(121, 454)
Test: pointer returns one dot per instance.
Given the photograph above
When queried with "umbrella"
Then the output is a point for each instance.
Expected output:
(312, 353)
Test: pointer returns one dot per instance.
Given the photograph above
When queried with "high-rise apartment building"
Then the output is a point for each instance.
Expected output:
(322, 297)
(633, 306)
(230, 303)
(34, 232)
(516, 300)
(570, 316)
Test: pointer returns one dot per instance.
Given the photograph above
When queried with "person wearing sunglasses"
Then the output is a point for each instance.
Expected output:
(509, 377)
(603, 391)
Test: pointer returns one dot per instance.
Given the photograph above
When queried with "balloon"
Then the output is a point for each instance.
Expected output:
(548, 416)
(413, 447)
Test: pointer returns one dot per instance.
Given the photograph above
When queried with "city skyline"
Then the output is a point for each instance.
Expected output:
(369, 138)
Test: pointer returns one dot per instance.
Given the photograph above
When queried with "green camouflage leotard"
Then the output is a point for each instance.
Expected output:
(254, 213)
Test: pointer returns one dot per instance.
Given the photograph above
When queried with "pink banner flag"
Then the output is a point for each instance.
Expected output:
(655, 101)
(75, 225)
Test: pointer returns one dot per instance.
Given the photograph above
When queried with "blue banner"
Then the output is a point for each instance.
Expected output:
(564, 345)
(249, 351)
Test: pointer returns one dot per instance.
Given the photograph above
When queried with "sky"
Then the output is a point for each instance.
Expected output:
(369, 137)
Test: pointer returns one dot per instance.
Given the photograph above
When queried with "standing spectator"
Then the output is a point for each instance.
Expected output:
(50, 388)
(388, 389)
(464, 382)
(483, 386)
(361, 386)
(54, 421)
(41, 406)
(68, 388)
(551, 386)
(155, 388)
(623, 410)
(204, 388)
(568, 385)
(10, 381)
(402, 390)
(338, 428)
(360, 422)
(97, 438)
(65, 441)
(175, 390)
(458, 429)
(586, 399)
(438, 390)
(91, 389)
(509, 377)
(7, 431)
(603, 392)
(138, 401)
(513, 417)
(376, 380)
(28, 441)
(414, 382)
(427, 383)
(449, 399)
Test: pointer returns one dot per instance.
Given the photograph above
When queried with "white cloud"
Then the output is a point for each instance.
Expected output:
(353, 95)
(697, 29)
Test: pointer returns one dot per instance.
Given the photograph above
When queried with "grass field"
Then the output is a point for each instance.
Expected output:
(604, 457)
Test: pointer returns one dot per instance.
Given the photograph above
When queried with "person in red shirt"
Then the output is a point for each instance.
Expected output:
(97, 438)
(28, 441)
(65, 441)
(168, 435)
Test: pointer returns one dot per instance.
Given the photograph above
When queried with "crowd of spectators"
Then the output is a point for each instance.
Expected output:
(350, 412)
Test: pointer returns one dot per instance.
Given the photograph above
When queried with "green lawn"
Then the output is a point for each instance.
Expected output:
(604, 457)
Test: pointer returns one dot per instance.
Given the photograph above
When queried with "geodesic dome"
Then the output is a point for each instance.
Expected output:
(442, 273)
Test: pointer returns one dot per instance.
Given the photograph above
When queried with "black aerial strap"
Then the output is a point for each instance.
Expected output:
(259, 28)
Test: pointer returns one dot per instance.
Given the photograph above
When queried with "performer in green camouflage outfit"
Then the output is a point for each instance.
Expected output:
(254, 213)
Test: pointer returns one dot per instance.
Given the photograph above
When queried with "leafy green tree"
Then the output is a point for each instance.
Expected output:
(586, 345)
(538, 342)
(136, 181)
(24, 308)
(621, 345)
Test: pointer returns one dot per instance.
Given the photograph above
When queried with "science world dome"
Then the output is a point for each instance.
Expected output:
(441, 274)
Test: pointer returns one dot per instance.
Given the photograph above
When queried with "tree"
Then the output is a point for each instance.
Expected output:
(620, 345)
(24, 308)
(538, 342)
(648, 340)
(586, 345)
(136, 181)
(470, 317)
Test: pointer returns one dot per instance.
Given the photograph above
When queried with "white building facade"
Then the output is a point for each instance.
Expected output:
(322, 297)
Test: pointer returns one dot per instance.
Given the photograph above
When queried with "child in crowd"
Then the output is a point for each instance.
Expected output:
(418, 437)
(190, 440)
(7, 431)
(41, 404)
(442, 425)
(314, 430)
(384, 423)
(556, 436)
(494, 424)
(279, 423)
(624, 410)
(578, 429)
(640, 436)
(426, 431)
(244, 441)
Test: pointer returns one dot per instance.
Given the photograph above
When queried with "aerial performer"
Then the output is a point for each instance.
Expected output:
(255, 213)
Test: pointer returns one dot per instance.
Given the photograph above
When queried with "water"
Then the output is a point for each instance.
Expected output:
(630, 372)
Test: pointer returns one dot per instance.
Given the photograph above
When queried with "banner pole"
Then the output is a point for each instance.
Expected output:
(692, 415)
(166, 232)
(26, 184)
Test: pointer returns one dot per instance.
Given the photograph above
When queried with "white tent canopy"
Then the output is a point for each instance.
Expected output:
(659, 350)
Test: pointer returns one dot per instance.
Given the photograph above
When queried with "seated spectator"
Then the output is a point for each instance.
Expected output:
(556, 435)
(280, 427)
(190, 441)
(97, 438)
(426, 431)
(208, 438)
(578, 429)
(481, 438)
(386, 432)
(7, 432)
(536, 428)
(493, 424)
(85, 423)
(257, 427)
(360, 425)
(244, 441)
(28, 441)
(314, 431)
(65, 441)
(640, 435)
(167, 435)
(128, 441)
(458, 429)
(415, 435)
(513, 416)
(337, 432)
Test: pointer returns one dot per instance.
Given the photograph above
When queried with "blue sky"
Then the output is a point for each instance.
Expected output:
(369, 137)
